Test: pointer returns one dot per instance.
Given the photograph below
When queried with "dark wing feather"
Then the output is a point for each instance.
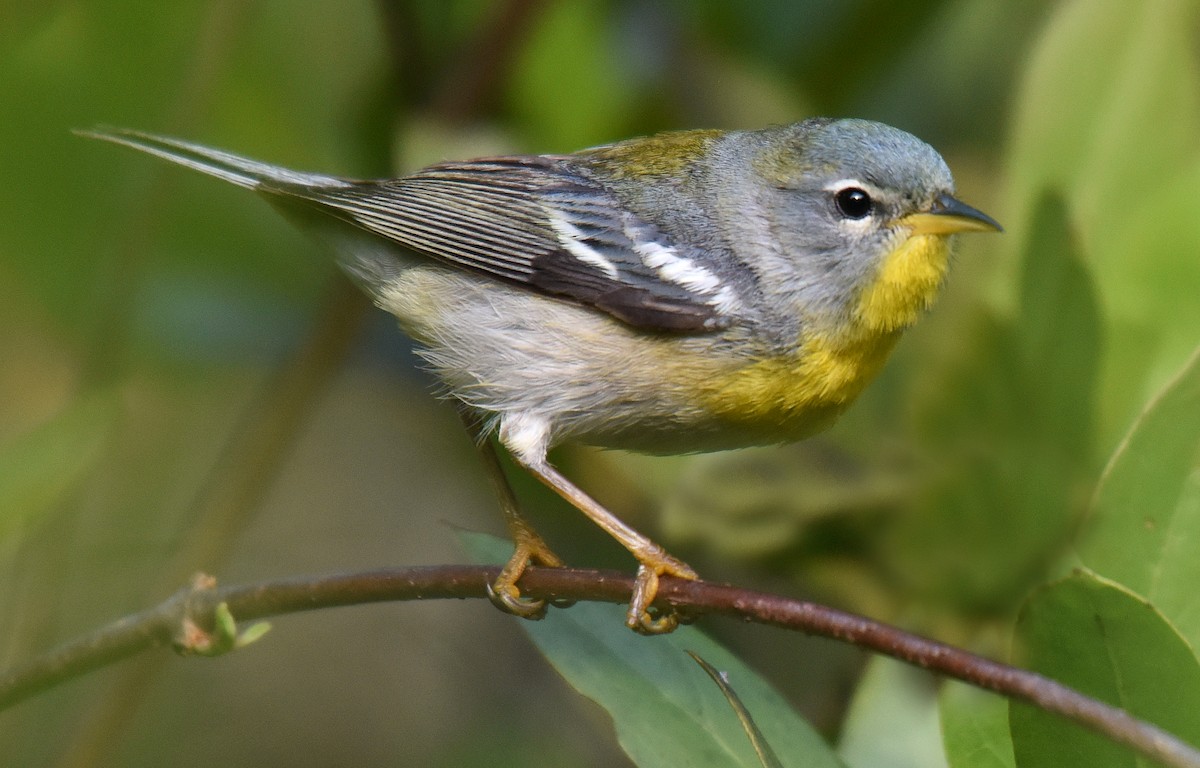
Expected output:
(531, 221)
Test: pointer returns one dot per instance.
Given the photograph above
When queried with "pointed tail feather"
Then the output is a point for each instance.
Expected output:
(235, 169)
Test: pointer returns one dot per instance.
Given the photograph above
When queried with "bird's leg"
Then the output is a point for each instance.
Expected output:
(653, 560)
(530, 548)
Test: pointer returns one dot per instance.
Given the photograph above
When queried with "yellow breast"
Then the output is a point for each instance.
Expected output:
(802, 392)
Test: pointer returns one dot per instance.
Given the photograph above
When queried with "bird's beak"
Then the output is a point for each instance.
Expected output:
(947, 216)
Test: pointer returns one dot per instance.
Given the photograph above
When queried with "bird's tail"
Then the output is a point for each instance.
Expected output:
(235, 169)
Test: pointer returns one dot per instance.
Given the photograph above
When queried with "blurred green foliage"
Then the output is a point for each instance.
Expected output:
(145, 314)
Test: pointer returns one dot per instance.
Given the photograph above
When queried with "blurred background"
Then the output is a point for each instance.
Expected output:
(188, 384)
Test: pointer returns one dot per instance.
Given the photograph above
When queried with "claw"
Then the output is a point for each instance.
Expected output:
(504, 593)
(655, 622)
(505, 596)
(641, 616)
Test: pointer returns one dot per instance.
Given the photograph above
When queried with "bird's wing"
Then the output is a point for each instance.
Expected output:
(531, 221)
(528, 220)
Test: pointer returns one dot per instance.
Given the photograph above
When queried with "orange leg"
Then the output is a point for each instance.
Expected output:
(530, 548)
(653, 560)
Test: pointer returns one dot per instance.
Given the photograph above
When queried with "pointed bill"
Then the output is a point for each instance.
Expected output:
(947, 216)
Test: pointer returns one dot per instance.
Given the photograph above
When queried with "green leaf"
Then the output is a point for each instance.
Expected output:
(1108, 643)
(1007, 420)
(1058, 333)
(975, 727)
(892, 721)
(762, 748)
(1146, 513)
(666, 710)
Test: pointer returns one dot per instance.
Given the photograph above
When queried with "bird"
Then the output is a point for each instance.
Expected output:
(682, 292)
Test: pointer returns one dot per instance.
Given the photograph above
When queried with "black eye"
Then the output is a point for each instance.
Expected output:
(853, 203)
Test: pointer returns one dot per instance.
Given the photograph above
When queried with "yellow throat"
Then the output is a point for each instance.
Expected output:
(907, 284)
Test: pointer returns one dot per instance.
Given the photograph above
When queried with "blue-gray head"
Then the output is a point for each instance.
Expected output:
(856, 206)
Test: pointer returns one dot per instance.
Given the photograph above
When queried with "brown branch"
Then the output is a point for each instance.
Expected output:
(475, 74)
(472, 87)
(162, 624)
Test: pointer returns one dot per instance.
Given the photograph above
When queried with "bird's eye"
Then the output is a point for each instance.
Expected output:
(853, 203)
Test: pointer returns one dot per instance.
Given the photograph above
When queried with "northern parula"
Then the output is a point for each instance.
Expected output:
(688, 291)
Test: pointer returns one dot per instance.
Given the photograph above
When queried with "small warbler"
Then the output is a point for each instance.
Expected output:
(688, 291)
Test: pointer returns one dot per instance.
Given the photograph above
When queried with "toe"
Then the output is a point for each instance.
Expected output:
(507, 598)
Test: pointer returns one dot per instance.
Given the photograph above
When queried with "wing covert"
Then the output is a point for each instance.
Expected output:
(531, 221)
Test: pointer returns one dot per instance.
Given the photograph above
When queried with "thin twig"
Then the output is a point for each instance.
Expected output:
(160, 625)
(472, 86)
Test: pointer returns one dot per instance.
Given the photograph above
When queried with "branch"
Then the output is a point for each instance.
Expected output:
(472, 87)
(196, 605)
